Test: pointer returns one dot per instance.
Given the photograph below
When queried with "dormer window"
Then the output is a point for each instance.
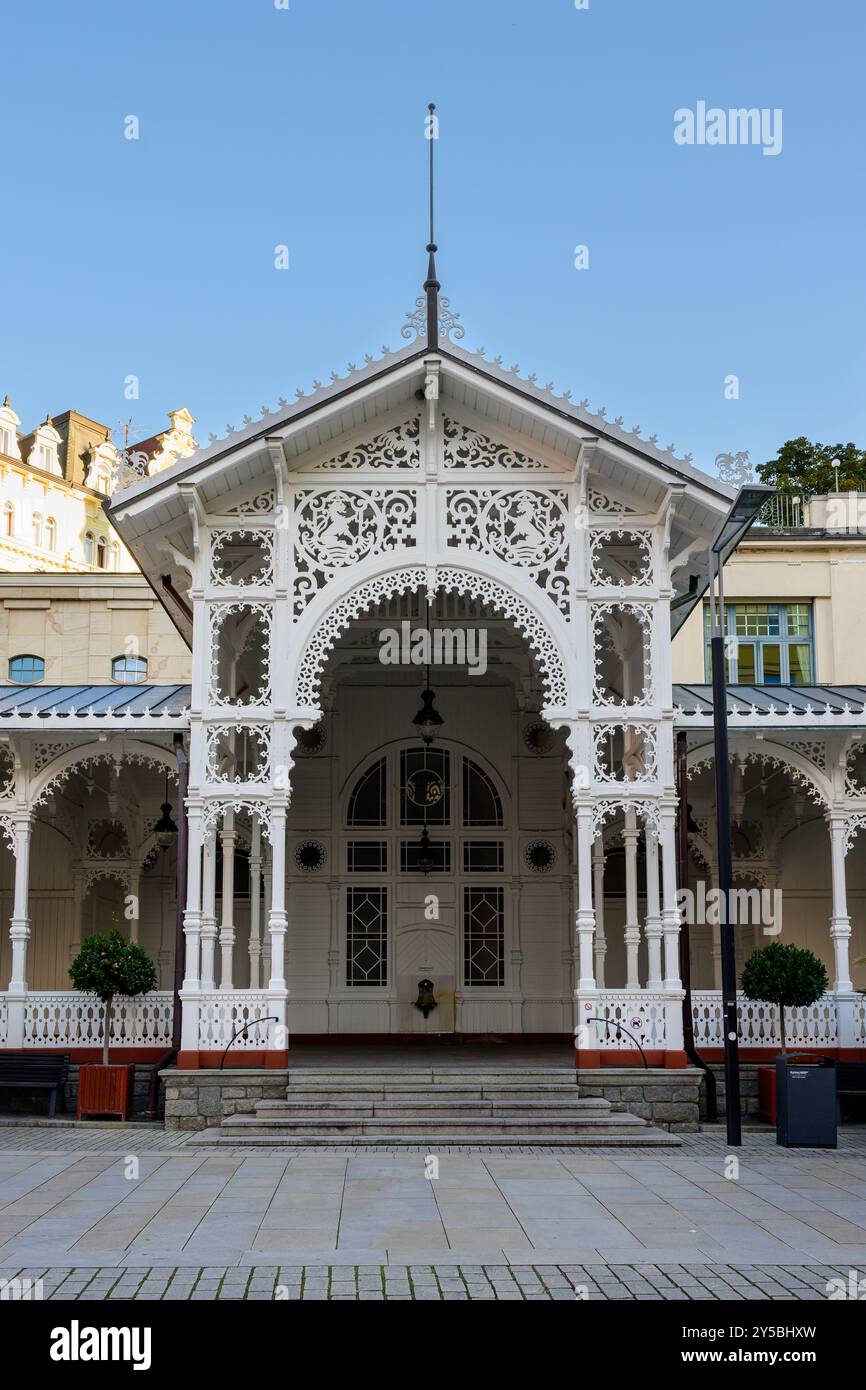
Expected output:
(5, 440)
(46, 443)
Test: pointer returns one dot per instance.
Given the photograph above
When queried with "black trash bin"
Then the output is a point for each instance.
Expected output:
(806, 1104)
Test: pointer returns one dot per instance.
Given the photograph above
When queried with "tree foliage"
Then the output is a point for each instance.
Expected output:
(804, 469)
(110, 965)
(789, 976)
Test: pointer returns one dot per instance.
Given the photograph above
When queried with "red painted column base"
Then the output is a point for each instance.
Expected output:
(275, 1061)
(188, 1061)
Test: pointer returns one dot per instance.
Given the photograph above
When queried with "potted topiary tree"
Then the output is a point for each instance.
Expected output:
(788, 976)
(109, 966)
(791, 977)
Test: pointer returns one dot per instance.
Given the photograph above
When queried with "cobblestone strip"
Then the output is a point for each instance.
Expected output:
(440, 1283)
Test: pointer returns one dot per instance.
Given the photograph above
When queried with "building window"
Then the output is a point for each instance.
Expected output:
(366, 936)
(368, 802)
(766, 643)
(425, 797)
(5, 441)
(89, 548)
(114, 552)
(101, 553)
(483, 936)
(37, 528)
(129, 670)
(51, 534)
(26, 670)
(481, 803)
(47, 457)
(8, 519)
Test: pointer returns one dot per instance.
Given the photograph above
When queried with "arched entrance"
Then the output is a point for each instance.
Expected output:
(448, 861)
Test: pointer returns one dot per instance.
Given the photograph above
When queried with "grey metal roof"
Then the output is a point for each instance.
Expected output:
(133, 701)
(772, 701)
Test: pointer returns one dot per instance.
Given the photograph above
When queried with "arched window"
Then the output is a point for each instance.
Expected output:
(51, 534)
(129, 670)
(37, 528)
(89, 548)
(8, 519)
(481, 802)
(101, 553)
(26, 670)
(114, 553)
(368, 804)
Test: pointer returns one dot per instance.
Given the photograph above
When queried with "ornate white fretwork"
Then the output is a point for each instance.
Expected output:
(854, 823)
(215, 808)
(97, 830)
(165, 766)
(260, 616)
(501, 600)
(395, 448)
(44, 752)
(814, 749)
(261, 575)
(467, 448)
(638, 566)
(7, 773)
(525, 527)
(810, 785)
(261, 505)
(606, 506)
(639, 762)
(603, 811)
(92, 872)
(7, 830)
(366, 596)
(338, 527)
(223, 759)
(603, 640)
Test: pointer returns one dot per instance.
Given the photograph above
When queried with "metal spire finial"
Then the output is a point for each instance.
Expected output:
(431, 284)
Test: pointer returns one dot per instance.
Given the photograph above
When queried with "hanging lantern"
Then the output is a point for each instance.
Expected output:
(428, 721)
(165, 828)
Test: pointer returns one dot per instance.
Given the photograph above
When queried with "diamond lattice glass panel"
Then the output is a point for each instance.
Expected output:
(425, 796)
(483, 936)
(367, 936)
(483, 856)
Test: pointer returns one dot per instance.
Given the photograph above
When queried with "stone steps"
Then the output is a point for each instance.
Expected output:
(429, 1106)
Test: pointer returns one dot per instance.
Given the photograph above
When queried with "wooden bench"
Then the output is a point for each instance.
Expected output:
(850, 1081)
(35, 1071)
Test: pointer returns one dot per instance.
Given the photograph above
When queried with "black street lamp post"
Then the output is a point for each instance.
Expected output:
(742, 513)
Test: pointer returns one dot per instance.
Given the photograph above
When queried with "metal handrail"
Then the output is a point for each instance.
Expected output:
(607, 1023)
(251, 1023)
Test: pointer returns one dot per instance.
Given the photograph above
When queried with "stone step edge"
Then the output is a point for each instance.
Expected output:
(219, 1138)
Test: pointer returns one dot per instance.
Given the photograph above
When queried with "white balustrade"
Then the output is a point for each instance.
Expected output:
(630, 1016)
(223, 1013)
(812, 1026)
(70, 1019)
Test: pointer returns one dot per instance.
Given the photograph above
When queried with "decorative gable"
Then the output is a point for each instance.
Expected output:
(394, 448)
(468, 448)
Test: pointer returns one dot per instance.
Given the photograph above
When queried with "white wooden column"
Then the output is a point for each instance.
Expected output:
(671, 929)
(192, 933)
(585, 923)
(208, 912)
(631, 932)
(653, 911)
(277, 928)
(598, 899)
(19, 929)
(255, 942)
(77, 910)
(228, 839)
(840, 921)
(516, 961)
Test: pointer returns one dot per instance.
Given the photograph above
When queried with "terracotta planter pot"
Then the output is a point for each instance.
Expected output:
(105, 1090)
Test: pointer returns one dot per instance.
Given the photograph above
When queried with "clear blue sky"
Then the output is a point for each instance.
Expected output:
(305, 127)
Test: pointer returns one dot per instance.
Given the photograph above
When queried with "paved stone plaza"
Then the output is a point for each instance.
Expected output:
(123, 1213)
